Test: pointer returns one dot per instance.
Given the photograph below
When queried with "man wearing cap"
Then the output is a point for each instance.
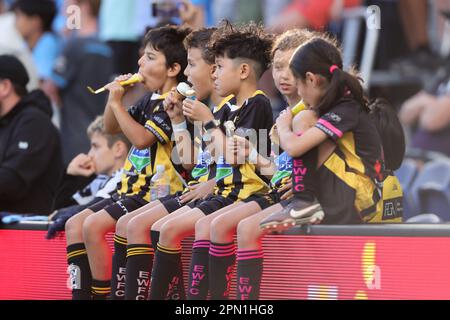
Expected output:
(30, 151)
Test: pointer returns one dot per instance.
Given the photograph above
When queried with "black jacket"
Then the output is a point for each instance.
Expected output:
(30, 156)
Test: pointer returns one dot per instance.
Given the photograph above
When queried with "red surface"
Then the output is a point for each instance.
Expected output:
(296, 267)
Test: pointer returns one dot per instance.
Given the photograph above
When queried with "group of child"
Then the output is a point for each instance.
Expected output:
(325, 164)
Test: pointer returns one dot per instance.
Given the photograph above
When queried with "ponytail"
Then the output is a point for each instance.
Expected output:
(322, 57)
(391, 132)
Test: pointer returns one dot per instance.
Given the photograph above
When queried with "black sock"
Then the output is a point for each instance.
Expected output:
(221, 266)
(249, 274)
(119, 261)
(167, 276)
(79, 272)
(154, 235)
(101, 289)
(139, 270)
(304, 180)
(198, 274)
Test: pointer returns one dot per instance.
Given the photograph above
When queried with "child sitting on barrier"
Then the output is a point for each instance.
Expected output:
(355, 183)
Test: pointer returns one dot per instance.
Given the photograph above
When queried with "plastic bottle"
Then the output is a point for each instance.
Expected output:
(159, 184)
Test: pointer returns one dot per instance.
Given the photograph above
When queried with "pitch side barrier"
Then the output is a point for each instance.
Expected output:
(401, 261)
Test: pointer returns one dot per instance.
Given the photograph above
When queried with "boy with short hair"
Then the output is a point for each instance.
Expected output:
(242, 55)
(134, 253)
(148, 128)
(90, 177)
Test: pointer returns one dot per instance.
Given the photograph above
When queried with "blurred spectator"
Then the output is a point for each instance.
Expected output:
(315, 14)
(34, 19)
(414, 18)
(196, 13)
(272, 8)
(30, 154)
(11, 42)
(119, 30)
(85, 61)
(428, 115)
(90, 177)
(89, 173)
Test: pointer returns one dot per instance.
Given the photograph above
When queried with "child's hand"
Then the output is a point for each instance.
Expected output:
(199, 191)
(197, 111)
(116, 91)
(288, 188)
(174, 107)
(284, 120)
(81, 165)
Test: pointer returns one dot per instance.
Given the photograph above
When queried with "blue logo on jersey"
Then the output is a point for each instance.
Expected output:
(223, 169)
(284, 168)
(202, 167)
(140, 159)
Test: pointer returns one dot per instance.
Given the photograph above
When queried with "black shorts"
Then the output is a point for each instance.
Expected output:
(266, 200)
(211, 204)
(172, 202)
(118, 206)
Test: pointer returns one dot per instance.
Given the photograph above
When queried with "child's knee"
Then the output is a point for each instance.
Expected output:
(220, 229)
(304, 120)
(248, 232)
(170, 230)
(136, 228)
(202, 228)
(121, 226)
(93, 228)
(74, 226)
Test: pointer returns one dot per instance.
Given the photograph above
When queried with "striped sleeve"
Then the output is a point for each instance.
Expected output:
(160, 125)
(338, 120)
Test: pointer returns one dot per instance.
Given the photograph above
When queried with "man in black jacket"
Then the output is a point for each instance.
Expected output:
(30, 150)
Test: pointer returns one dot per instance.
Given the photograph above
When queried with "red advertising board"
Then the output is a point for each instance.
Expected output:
(295, 267)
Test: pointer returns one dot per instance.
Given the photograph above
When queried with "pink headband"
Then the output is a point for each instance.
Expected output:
(333, 68)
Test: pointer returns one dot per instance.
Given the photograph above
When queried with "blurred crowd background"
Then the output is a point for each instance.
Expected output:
(401, 48)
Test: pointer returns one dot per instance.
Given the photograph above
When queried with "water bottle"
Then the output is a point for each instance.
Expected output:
(159, 184)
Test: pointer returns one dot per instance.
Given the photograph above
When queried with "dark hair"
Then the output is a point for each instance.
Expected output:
(169, 41)
(317, 56)
(44, 9)
(20, 90)
(248, 41)
(199, 39)
(384, 116)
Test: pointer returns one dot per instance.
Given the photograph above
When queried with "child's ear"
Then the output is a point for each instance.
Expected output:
(174, 70)
(212, 71)
(314, 80)
(244, 70)
(119, 149)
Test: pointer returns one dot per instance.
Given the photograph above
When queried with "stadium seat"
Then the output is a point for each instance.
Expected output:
(430, 192)
(406, 174)
(424, 218)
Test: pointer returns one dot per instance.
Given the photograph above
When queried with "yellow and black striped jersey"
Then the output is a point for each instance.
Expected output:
(239, 182)
(283, 173)
(358, 160)
(140, 165)
(205, 169)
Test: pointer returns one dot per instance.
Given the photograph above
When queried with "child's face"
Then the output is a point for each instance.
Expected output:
(227, 76)
(26, 25)
(153, 68)
(282, 74)
(199, 74)
(102, 155)
(310, 89)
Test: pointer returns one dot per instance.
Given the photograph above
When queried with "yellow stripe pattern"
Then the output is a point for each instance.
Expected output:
(140, 251)
(169, 250)
(76, 253)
